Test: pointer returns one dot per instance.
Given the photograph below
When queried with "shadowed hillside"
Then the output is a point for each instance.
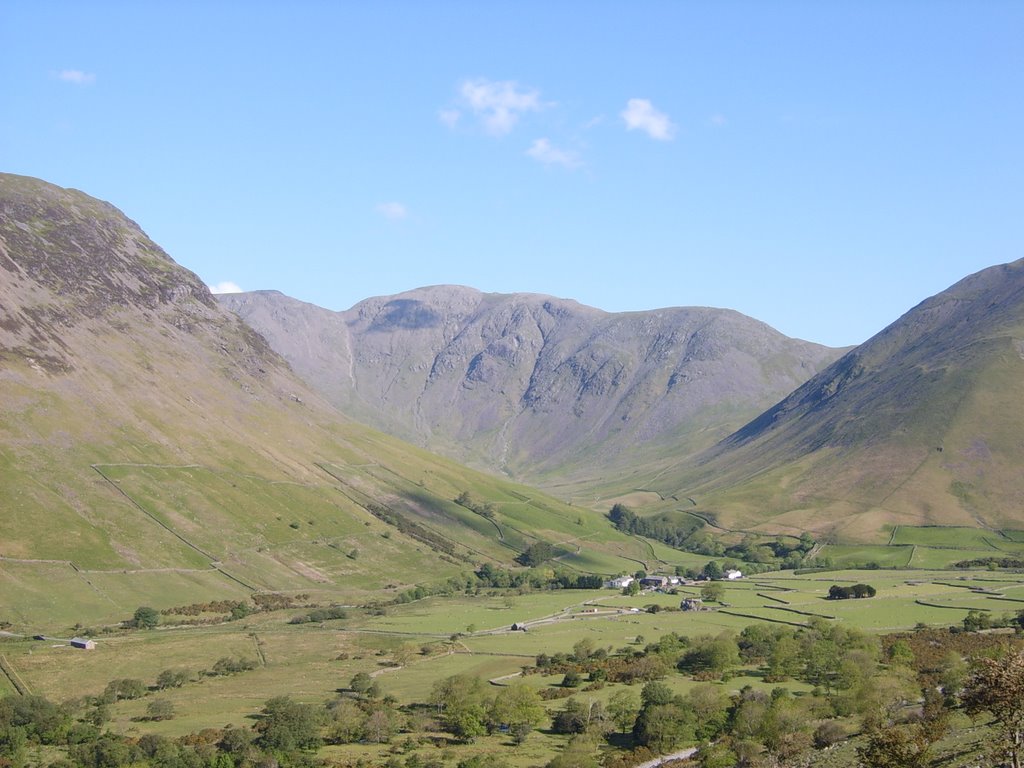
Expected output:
(920, 425)
(153, 448)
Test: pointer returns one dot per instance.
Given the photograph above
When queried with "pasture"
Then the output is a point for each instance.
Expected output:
(408, 647)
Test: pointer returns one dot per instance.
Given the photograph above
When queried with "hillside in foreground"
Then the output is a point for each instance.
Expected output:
(921, 425)
(155, 449)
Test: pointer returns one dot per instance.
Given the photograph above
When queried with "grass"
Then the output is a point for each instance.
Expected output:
(313, 662)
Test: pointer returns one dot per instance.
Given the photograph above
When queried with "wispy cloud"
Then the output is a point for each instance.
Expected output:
(543, 151)
(718, 120)
(225, 287)
(498, 105)
(76, 77)
(640, 115)
(449, 117)
(393, 211)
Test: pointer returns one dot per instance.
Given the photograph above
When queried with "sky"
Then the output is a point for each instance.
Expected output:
(820, 166)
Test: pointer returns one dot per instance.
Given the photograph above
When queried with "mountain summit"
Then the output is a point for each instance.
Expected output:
(919, 425)
(536, 386)
(155, 449)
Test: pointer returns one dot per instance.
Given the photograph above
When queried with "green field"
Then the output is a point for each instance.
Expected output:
(312, 661)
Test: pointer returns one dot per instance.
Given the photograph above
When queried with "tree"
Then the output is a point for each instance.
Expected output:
(897, 746)
(381, 725)
(661, 727)
(710, 707)
(346, 721)
(711, 657)
(145, 618)
(159, 709)
(583, 649)
(125, 688)
(172, 678)
(360, 682)
(623, 707)
(288, 725)
(578, 753)
(997, 686)
(537, 553)
(713, 570)
(520, 708)
(460, 703)
(714, 591)
(580, 717)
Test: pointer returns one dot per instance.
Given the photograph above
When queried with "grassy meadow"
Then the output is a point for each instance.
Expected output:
(408, 647)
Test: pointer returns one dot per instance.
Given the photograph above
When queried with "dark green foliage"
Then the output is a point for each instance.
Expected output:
(672, 528)
(33, 718)
(538, 553)
(361, 682)
(287, 725)
(107, 752)
(836, 592)
(172, 678)
(229, 666)
(710, 657)
(685, 532)
(460, 703)
(897, 746)
(320, 614)
(159, 709)
(125, 688)
(410, 527)
(990, 562)
(581, 717)
(145, 618)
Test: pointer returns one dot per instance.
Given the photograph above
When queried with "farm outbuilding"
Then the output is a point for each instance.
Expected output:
(81, 642)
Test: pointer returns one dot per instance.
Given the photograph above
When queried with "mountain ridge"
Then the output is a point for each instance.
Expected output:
(532, 384)
(154, 449)
(915, 426)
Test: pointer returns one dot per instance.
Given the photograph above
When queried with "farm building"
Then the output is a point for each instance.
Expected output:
(732, 575)
(81, 642)
(654, 581)
(692, 604)
(619, 582)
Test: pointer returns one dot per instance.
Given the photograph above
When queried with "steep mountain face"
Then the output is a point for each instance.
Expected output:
(922, 424)
(535, 386)
(154, 449)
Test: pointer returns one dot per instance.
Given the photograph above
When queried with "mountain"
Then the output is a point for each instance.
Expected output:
(154, 449)
(540, 388)
(920, 425)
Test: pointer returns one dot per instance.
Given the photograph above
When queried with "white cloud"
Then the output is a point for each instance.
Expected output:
(499, 105)
(718, 120)
(225, 287)
(76, 76)
(544, 152)
(449, 117)
(392, 210)
(641, 115)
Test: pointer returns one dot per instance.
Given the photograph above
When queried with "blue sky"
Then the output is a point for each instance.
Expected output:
(821, 166)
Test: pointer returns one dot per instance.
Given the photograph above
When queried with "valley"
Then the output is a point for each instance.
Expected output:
(268, 581)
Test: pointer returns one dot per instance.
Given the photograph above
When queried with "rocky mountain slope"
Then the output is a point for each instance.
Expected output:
(154, 449)
(920, 425)
(538, 387)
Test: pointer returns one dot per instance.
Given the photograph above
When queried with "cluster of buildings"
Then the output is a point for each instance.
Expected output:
(662, 582)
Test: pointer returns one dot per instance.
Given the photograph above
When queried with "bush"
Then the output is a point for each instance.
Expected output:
(828, 733)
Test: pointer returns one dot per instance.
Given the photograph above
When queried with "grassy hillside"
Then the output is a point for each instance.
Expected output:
(155, 450)
(918, 426)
